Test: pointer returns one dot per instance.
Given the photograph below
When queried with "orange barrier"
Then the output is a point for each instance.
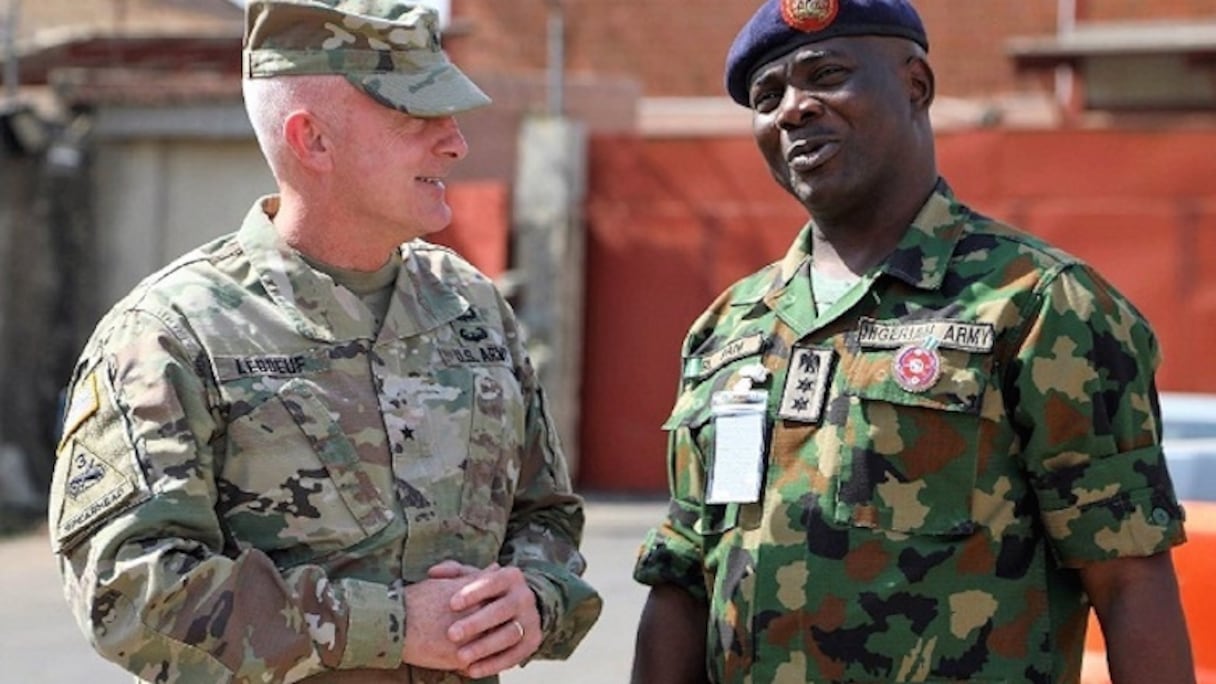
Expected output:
(1195, 563)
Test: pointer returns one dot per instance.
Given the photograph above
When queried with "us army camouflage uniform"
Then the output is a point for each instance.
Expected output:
(250, 474)
(930, 533)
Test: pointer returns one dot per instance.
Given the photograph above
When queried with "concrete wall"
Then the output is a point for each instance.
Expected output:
(159, 198)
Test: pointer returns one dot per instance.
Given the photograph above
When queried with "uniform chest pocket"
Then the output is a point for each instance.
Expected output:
(913, 440)
(292, 484)
(464, 456)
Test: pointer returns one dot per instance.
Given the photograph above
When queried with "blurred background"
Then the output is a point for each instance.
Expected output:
(612, 190)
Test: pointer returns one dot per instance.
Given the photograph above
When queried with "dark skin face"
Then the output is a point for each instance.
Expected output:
(843, 125)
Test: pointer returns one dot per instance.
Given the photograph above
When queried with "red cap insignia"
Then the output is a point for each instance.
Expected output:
(809, 15)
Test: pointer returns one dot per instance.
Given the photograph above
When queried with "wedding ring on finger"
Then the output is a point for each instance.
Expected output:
(519, 628)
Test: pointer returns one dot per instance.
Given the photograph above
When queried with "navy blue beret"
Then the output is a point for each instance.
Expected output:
(782, 25)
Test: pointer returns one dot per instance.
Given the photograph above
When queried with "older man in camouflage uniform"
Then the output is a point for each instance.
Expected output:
(305, 451)
(921, 445)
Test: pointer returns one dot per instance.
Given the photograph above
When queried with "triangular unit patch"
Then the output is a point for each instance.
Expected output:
(92, 489)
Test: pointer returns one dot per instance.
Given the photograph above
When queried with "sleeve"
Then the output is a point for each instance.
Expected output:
(143, 556)
(673, 552)
(546, 527)
(1084, 402)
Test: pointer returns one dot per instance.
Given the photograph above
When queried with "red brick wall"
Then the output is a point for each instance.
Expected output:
(967, 42)
(618, 37)
(677, 48)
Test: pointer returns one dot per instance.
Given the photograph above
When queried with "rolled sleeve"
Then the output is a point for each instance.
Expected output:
(671, 553)
(1136, 521)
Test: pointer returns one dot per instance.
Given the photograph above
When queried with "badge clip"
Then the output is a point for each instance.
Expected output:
(738, 459)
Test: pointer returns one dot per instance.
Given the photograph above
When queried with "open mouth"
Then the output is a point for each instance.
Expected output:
(808, 155)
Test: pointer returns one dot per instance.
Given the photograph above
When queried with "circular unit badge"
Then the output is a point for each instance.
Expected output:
(809, 15)
(916, 368)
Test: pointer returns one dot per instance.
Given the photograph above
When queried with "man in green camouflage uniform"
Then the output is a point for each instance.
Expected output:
(306, 451)
(921, 445)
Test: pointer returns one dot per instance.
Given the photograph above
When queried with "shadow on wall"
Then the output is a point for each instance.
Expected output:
(46, 313)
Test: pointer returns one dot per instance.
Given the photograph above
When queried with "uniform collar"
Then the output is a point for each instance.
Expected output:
(921, 259)
(322, 310)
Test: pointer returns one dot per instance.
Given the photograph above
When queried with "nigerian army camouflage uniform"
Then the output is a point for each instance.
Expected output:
(931, 533)
(250, 473)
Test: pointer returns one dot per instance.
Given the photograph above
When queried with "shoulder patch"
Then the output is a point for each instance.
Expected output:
(90, 489)
(84, 403)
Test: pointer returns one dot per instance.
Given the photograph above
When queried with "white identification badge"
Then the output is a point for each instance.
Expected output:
(738, 447)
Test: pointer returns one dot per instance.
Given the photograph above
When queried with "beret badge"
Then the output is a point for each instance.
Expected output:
(809, 15)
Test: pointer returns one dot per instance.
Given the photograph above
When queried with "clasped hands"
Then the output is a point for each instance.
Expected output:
(477, 622)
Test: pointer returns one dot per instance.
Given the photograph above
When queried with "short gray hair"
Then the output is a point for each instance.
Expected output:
(269, 101)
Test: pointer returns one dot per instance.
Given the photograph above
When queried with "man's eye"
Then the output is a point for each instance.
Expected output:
(830, 73)
(765, 100)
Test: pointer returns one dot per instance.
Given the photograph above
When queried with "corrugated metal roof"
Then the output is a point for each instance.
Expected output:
(144, 87)
(1125, 38)
(164, 35)
(41, 20)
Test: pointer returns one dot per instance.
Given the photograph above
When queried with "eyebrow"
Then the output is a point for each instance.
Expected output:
(814, 53)
(802, 54)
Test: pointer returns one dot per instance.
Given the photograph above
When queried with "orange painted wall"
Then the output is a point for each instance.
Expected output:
(480, 224)
(672, 222)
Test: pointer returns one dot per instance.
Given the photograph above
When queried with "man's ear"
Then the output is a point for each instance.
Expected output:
(308, 141)
(921, 82)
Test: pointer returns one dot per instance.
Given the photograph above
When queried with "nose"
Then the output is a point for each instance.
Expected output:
(451, 143)
(797, 106)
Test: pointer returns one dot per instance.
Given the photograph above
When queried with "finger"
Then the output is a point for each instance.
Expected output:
(497, 663)
(450, 569)
(503, 647)
(481, 621)
(490, 585)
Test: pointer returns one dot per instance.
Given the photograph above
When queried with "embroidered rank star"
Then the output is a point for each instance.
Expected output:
(806, 385)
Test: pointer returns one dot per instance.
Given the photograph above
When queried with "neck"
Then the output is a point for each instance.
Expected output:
(329, 238)
(854, 241)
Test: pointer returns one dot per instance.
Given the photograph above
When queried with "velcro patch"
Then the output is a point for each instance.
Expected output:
(806, 385)
(92, 488)
(960, 335)
(268, 365)
(494, 354)
(702, 366)
(85, 402)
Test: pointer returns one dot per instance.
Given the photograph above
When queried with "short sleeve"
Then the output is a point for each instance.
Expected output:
(1083, 399)
(672, 552)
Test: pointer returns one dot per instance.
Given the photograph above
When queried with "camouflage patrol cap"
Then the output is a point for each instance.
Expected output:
(388, 48)
(779, 26)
